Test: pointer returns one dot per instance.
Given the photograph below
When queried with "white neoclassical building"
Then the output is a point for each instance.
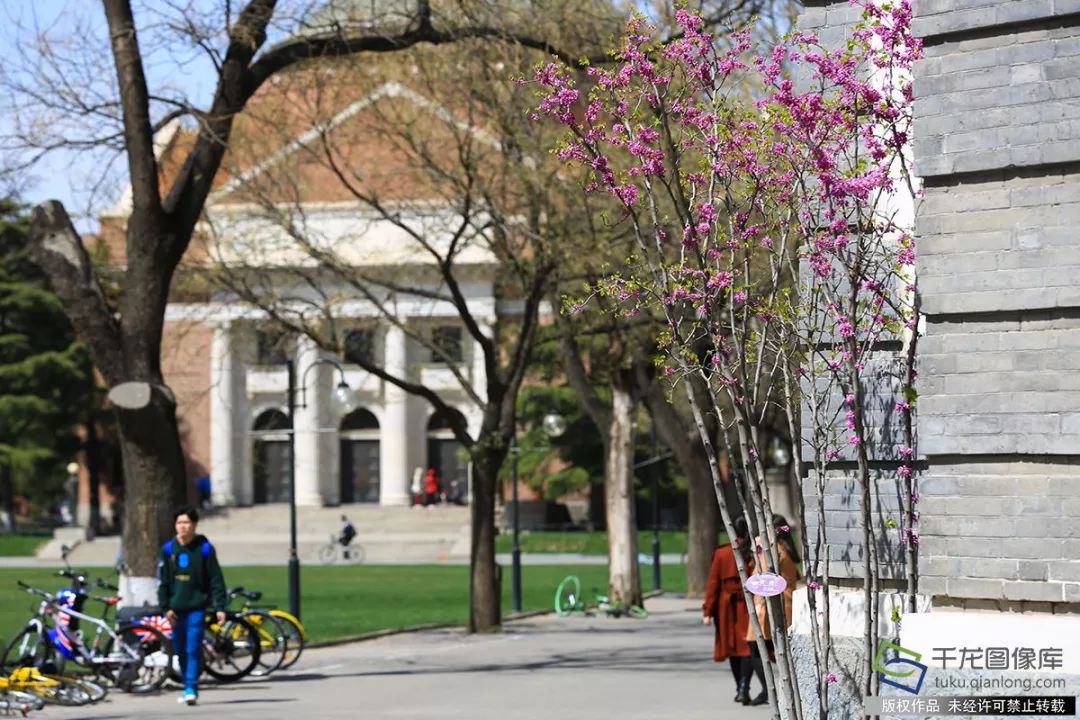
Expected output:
(368, 455)
(226, 361)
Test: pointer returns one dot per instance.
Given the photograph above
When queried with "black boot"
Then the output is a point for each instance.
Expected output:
(761, 699)
(743, 693)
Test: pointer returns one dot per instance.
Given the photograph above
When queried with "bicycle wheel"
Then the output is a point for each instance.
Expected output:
(231, 651)
(28, 648)
(568, 596)
(356, 554)
(95, 691)
(273, 642)
(21, 701)
(328, 553)
(296, 635)
(147, 654)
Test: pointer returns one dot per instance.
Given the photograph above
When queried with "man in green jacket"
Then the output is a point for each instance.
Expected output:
(190, 582)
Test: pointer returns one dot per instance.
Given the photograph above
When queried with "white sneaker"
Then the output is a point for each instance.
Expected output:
(187, 698)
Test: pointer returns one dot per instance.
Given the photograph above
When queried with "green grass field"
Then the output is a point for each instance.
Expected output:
(348, 600)
(588, 543)
(21, 545)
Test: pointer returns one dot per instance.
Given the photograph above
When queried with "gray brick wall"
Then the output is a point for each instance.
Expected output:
(881, 380)
(1001, 245)
(999, 255)
(843, 523)
(1009, 100)
(1001, 531)
(1003, 383)
(995, 387)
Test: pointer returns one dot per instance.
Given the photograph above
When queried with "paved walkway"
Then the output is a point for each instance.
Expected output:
(544, 667)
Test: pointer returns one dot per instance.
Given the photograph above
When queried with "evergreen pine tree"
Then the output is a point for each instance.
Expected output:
(44, 375)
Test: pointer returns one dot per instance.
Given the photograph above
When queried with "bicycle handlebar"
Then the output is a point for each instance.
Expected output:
(35, 591)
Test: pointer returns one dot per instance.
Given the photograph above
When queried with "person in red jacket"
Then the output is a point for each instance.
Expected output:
(431, 487)
(725, 609)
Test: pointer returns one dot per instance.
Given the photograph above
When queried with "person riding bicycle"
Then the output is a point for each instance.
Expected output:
(190, 581)
(348, 532)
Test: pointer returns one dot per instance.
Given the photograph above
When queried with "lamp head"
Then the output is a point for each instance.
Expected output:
(554, 424)
(343, 399)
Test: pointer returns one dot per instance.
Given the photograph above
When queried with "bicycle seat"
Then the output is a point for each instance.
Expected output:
(236, 591)
(252, 595)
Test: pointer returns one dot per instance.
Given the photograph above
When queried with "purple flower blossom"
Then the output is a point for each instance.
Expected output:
(831, 678)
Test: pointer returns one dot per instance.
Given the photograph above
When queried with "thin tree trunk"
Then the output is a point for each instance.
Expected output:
(484, 596)
(7, 491)
(624, 578)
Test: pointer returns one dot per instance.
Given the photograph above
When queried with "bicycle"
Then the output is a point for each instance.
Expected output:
(295, 635)
(334, 551)
(231, 650)
(50, 688)
(133, 656)
(273, 638)
(569, 599)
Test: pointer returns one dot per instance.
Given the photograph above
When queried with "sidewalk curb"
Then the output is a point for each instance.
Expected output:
(375, 634)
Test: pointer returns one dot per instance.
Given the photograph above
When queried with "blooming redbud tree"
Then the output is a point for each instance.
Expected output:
(771, 204)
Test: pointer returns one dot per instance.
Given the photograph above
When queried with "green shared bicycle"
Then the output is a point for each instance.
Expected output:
(569, 599)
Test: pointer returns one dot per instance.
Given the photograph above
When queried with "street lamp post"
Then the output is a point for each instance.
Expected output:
(554, 425)
(655, 473)
(515, 555)
(344, 398)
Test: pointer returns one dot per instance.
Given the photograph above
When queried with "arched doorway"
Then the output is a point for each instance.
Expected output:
(271, 457)
(446, 455)
(359, 457)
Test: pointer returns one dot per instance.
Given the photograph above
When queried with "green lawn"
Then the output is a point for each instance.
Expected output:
(21, 545)
(341, 601)
(587, 543)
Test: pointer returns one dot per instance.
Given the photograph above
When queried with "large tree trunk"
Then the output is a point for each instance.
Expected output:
(701, 529)
(624, 578)
(484, 591)
(155, 485)
(679, 435)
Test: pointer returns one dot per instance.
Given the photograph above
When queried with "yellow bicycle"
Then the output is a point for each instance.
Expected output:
(292, 630)
(57, 689)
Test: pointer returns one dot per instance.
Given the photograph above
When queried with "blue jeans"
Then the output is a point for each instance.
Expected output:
(187, 640)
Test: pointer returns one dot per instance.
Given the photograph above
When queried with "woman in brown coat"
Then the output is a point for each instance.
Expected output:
(789, 570)
(725, 609)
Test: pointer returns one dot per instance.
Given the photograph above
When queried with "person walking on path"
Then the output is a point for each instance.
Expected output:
(725, 609)
(189, 583)
(789, 570)
(431, 487)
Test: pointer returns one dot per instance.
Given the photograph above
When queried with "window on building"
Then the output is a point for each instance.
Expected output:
(360, 347)
(273, 347)
(446, 338)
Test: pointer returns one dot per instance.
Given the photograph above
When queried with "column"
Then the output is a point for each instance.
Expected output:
(224, 452)
(307, 464)
(394, 470)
